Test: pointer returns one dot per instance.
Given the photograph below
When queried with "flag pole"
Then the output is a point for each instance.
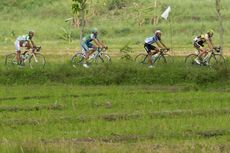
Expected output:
(171, 33)
(165, 15)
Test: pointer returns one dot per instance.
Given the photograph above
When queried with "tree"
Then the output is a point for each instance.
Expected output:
(79, 8)
(221, 28)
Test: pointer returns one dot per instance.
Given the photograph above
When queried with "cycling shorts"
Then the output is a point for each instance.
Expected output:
(149, 47)
(86, 46)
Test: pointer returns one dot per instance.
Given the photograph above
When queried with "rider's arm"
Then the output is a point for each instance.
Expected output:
(97, 42)
(163, 44)
(102, 44)
(210, 44)
(32, 42)
(160, 44)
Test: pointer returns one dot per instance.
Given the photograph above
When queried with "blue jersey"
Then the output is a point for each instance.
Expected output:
(87, 39)
(151, 40)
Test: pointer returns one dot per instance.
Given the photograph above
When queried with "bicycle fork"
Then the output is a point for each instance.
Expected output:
(35, 58)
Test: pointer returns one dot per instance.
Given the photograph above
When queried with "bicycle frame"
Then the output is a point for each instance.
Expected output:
(211, 53)
(211, 57)
(161, 53)
(31, 53)
(94, 55)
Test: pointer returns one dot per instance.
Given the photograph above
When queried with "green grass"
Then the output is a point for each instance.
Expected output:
(122, 107)
(116, 117)
(118, 73)
(117, 26)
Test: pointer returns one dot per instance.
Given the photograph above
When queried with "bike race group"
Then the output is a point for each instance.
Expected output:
(91, 43)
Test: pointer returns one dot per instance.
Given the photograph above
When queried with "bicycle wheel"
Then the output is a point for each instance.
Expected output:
(103, 58)
(37, 61)
(216, 59)
(141, 58)
(169, 58)
(190, 59)
(77, 59)
(11, 60)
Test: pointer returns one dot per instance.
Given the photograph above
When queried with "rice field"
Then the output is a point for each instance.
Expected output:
(71, 118)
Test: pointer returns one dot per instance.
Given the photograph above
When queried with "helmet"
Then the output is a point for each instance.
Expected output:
(210, 33)
(94, 30)
(31, 33)
(157, 32)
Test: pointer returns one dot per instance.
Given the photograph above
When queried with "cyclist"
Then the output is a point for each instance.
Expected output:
(198, 43)
(23, 41)
(149, 47)
(90, 48)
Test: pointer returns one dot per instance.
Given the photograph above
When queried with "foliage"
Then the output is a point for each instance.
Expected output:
(121, 25)
(66, 34)
(125, 52)
(79, 8)
(119, 72)
(116, 4)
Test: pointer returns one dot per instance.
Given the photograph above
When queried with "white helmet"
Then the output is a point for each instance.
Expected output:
(157, 32)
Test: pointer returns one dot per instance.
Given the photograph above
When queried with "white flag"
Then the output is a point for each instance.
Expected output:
(165, 14)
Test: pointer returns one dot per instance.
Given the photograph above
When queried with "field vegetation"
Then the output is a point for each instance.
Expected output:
(68, 118)
(119, 21)
(117, 107)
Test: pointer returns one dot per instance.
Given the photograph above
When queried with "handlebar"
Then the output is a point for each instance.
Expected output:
(37, 49)
(216, 49)
(164, 49)
(103, 49)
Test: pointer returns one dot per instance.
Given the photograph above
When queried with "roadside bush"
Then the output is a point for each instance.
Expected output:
(123, 31)
(116, 4)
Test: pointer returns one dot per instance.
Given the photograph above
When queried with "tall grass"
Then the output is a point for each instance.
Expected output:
(118, 73)
(118, 25)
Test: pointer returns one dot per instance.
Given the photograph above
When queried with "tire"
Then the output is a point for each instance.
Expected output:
(141, 58)
(159, 60)
(77, 59)
(169, 58)
(103, 58)
(10, 60)
(189, 60)
(38, 62)
(216, 59)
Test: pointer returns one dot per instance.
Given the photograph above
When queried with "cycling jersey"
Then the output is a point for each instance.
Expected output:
(86, 41)
(23, 38)
(89, 38)
(200, 40)
(151, 40)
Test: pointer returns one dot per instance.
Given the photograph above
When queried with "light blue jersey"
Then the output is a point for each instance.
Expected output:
(151, 40)
(23, 38)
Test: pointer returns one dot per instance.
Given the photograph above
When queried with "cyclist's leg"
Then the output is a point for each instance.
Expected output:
(201, 51)
(85, 51)
(90, 48)
(148, 49)
(18, 51)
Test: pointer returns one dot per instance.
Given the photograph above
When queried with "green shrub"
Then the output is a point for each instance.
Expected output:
(116, 4)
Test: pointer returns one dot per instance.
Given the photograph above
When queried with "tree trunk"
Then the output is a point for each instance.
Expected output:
(82, 24)
(221, 28)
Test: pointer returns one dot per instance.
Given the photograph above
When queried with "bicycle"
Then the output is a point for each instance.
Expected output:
(99, 56)
(35, 59)
(212, 58)
(162, 57)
